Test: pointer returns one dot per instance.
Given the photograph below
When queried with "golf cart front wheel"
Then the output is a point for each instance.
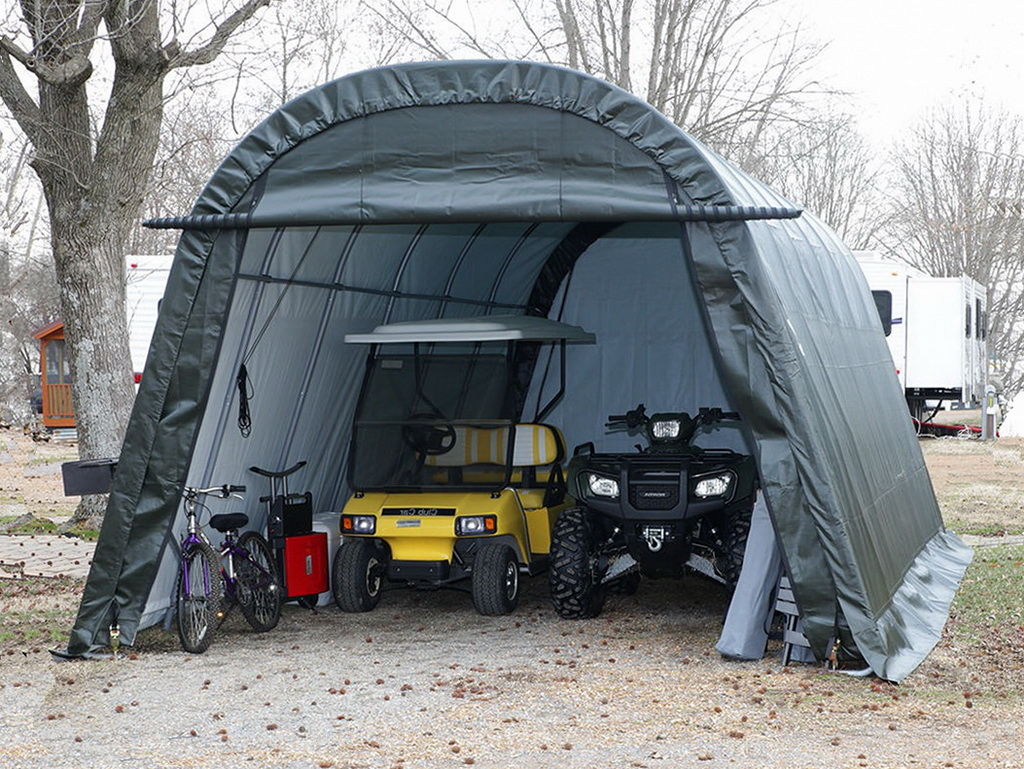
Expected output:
(357, 578)
(495, 580)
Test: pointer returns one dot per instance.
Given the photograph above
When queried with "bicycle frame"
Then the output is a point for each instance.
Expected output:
(228, 550)
(204, 600)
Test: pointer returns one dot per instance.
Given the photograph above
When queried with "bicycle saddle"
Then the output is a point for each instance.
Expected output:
(279, 473)
(225, 522)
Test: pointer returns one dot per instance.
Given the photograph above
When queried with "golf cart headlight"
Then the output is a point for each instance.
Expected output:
(667, 429)
(713, 486)
(600, 486)
(358, 524)
(470, 525)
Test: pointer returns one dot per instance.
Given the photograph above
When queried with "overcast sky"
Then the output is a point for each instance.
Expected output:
(899, 57)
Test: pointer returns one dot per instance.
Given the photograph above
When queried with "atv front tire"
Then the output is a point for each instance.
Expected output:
(357, 577)
(495, 580)
(576, 591)
(735, 541)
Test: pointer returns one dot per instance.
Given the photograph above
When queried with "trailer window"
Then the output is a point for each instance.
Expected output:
(979, 332)
(967, 320)
(883, 303)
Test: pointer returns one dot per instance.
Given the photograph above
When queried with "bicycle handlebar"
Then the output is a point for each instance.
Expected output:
(223, 491)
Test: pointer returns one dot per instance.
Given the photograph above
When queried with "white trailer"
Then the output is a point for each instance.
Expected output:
(936, 329)
(145, 281)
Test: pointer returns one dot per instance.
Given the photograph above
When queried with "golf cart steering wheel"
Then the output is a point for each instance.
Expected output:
(429, 439)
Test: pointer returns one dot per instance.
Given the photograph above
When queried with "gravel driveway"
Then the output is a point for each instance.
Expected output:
(425, 682)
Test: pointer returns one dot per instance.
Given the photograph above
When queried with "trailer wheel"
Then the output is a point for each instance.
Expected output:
(495, 580)
(357, 577)
(576, 591)
(735, 540)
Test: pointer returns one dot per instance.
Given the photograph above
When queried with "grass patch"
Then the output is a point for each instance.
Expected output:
(35, 526)
(81, 532)
(987, 611)
(984, 529)
(37, 611)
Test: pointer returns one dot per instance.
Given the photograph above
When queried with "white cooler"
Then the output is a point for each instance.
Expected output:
(329, 523)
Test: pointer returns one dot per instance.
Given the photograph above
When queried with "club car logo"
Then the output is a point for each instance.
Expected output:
(418, 512)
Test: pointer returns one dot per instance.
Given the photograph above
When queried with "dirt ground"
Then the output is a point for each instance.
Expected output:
(425, 682)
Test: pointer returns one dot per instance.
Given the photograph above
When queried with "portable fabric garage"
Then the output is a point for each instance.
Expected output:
(467, 188)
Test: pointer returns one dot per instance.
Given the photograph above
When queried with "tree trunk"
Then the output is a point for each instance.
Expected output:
(90, 274)
(92, 212)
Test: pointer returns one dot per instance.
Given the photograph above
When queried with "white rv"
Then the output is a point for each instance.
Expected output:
(145, 281)
(936, 329)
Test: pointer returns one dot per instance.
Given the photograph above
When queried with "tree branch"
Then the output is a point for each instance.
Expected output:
(75, 70)
(209, 51)
(19, 102)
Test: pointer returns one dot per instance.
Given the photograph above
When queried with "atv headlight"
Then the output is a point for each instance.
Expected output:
(470, 525)
(358, 524)
(713, 486)
(669, 428)
(602, 486)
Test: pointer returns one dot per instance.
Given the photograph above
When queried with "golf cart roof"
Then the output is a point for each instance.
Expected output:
(487, 328)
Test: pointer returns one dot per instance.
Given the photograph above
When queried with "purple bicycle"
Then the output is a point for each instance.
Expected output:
(211, 582)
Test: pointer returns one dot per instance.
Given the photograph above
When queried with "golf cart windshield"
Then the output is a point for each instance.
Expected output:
(439, 404)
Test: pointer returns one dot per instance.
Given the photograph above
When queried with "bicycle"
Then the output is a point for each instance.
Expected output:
(243, 572)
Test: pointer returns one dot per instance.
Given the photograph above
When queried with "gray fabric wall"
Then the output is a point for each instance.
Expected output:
(633, 289)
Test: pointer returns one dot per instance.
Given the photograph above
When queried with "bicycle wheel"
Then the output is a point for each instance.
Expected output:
(199, 597)
(259, 595)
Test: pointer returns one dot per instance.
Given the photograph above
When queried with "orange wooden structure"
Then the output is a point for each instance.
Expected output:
(55, 377)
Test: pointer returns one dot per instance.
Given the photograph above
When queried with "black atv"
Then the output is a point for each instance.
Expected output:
(654, 513)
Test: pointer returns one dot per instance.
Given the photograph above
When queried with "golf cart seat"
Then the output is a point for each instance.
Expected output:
(536, 446)
(225, 522)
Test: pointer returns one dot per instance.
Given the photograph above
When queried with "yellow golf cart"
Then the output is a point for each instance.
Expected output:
(447, 485)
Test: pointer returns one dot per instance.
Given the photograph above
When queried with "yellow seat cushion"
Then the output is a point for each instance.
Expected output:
(535, 446)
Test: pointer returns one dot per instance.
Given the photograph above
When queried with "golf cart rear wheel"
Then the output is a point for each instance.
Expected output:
(358, 576)
(495, 580)
(576, 591)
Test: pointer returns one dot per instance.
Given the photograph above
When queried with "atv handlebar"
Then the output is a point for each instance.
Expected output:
(708, 416)
(631, 419)
(638, 416)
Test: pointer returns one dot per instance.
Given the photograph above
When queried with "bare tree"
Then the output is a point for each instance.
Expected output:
(301, 45)
(27, 296)
(958, 201)
(94, 160)
(196, 135)
(728, 71)
(829, 169)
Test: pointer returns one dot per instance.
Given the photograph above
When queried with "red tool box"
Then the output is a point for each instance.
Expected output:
(305, 564)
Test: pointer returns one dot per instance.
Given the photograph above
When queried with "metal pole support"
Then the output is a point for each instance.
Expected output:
(989, 412)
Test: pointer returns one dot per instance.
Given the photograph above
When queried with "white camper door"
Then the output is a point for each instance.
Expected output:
(937, 335)
(145, 281)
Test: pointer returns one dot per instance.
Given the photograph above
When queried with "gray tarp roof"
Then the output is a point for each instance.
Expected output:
(545, 160)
